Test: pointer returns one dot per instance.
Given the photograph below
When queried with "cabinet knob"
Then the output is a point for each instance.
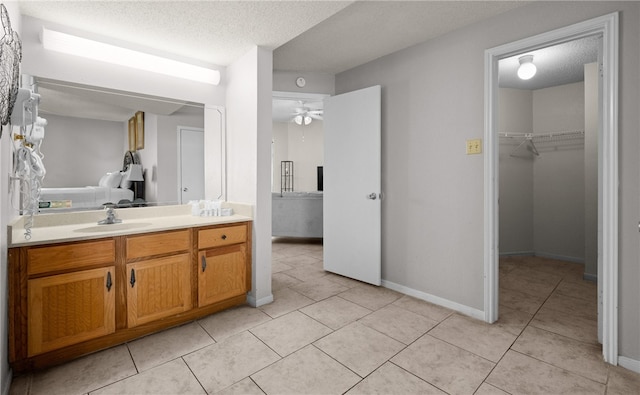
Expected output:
(132, 281)
(224, 237)
(109, 282)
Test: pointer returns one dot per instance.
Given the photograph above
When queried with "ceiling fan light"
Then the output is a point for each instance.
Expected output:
(307, 120)
(298, 119)
(527, 69)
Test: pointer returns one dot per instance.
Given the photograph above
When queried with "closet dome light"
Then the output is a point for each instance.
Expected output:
(527, 69)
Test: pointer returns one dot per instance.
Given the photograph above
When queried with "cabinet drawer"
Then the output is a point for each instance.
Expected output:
(70, 256)
(157, 244)
(222, 236)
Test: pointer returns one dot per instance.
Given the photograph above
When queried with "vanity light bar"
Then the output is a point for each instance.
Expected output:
(78, 46)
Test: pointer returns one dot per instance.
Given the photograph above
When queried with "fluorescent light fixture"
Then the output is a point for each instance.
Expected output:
(527, 69)
(73, 45)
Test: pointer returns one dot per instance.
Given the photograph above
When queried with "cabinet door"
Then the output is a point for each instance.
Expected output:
(222, 274)
(158, 288)
(70, 308)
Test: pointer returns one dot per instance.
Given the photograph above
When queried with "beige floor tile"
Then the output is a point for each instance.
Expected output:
(443, 365)
(519, 374)
(391, 379)
(244, 387)
(335, 312)
(342, 280)
(370, 296)
(520, 301)
(526, 285)
(512, 320)
(569, 325)
(575, 356)
(400, 324)
(359, 347)
(425, 309)
(165, 346)
(282, 280)
(584, 290)
(85, 374)
(306, 273)
(530, 273)
(307, 371)
(299, 260)
(570, 305)
(319, 289)
(285, 301)
(171, 378)
(231, 322)
(290, 332)
(488, 389)
(21, 385)
(277, 266)
(223, 364)
(622, 381)
(486, 340)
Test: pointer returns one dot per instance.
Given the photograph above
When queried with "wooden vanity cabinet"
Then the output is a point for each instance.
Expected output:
(222, 260)
(158, 276)
(70, 299)
(69, 293)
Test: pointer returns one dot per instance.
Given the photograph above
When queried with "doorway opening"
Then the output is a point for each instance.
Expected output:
(607, 239)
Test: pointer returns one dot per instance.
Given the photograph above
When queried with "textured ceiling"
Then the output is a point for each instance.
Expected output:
(314, 36)
(557, 65)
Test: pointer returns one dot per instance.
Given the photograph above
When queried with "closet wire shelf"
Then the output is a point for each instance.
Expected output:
(531, 139)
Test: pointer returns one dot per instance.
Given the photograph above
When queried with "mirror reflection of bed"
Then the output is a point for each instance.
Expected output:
(297, 189)
(87, 137)
(122, 189)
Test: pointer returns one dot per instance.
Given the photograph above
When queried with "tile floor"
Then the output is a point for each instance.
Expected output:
(326, 334)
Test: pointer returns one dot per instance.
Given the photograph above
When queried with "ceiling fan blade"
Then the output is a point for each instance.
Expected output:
(315, 116)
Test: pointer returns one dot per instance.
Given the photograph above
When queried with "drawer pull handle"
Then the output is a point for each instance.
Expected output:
(224, 237)
(133, 278)
(109, 282)
(204, 263)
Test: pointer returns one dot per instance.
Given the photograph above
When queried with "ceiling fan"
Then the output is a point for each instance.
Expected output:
(304, 115)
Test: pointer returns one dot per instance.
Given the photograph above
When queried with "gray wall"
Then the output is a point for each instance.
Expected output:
(558, 174)
(78, 151)
(432, 102)
(515, 112)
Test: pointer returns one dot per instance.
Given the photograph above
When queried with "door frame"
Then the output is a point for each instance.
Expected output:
(179, 175)
(607, 26)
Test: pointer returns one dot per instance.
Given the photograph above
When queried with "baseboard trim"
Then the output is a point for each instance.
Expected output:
(628, 363)
(560, 257)
(466, 310)
(517, 253)
(259, 302)
(590, 277)
(7, 383)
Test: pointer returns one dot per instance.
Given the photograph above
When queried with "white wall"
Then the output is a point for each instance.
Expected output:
(432, 102)
(78, 151)
(515, 112)
(304, 145)
(558, 174)
(249, 124)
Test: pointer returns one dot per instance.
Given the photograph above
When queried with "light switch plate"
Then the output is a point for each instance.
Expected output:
(474, 146)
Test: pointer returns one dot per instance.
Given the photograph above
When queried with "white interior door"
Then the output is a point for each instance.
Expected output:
(191, 166)
(352, 187)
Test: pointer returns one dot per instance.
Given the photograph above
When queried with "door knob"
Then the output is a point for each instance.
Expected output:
(372, 196)
(185, 189)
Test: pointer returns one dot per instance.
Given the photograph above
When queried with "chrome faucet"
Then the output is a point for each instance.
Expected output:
(111, 217)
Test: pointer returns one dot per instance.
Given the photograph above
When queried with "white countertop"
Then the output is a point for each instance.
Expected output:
(74, 226)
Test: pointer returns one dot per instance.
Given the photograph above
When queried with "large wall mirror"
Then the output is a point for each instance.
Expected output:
(87, 136)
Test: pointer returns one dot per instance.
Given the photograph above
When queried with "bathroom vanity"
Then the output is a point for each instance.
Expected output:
(77, 287)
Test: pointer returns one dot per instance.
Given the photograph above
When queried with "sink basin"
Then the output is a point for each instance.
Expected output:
(112, 227)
